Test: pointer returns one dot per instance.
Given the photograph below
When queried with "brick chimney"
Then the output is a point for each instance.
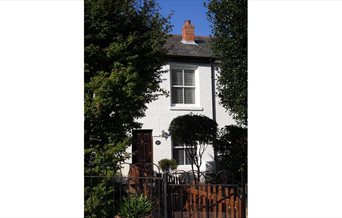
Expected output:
(188, 33)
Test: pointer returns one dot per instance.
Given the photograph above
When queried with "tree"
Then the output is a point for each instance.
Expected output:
(123, 55)
(229, 44)
(196, 132)
(231, 147)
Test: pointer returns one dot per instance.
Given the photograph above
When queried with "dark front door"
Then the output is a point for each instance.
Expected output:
(142, 146)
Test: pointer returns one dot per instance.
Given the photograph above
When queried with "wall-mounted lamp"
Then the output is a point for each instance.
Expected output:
(165, 134)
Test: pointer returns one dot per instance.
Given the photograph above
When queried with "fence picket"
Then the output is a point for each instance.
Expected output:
(204, 203)
(190, 203)
(219, 202)
(195, 201)
(226, 201)
(215, 201)
(232, 207)
(238, 206)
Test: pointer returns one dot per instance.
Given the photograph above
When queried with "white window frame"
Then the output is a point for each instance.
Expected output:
(196, 105)
(185, 153)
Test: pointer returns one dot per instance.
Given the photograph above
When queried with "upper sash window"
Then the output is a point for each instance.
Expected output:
(183, 86)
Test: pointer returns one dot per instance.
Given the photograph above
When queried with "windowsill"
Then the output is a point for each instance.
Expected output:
(185, 108)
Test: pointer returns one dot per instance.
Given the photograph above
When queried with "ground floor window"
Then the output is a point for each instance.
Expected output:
(181, 154)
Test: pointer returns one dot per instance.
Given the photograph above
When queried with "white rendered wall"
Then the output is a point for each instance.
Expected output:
(222, 116)
(160, 113)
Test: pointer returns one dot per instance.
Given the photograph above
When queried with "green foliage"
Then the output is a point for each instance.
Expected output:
(123, 55)
(195, 132)
(229, 44)
(192, 129)
(136, 207)
(231, 146)
(167, 164)
(102, 195)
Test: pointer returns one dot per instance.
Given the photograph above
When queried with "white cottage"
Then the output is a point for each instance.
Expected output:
(190, 79)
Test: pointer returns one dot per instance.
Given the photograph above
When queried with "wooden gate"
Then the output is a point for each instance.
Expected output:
(205, 200)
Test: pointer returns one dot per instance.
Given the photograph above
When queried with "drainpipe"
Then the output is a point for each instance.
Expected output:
(213, 89)
(213, 96)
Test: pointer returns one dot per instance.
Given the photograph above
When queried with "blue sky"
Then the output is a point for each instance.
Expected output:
(187, 10)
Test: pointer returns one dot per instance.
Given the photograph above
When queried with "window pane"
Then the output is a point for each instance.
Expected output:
(178, 155)
(189, 77)
(177, 95)
(191, 152)
(189, 95)
(177, 77)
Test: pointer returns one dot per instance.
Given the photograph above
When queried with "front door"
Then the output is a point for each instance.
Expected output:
(142, 146)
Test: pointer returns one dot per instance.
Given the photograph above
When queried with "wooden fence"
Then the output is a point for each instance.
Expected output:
(209, 200)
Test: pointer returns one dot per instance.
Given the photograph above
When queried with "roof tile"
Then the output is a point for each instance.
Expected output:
(200, 49)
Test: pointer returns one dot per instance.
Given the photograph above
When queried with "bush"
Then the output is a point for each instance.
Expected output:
(196, 132)
(166, 164)
(231, 148)
(136, 207)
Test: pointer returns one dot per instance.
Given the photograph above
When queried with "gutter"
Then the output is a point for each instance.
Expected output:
(188, 58)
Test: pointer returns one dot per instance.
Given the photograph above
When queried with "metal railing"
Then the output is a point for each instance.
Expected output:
(176, 194)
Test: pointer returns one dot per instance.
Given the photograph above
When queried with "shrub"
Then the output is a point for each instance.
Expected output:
(166, 164)
(136, 207)
(231, 148)
(196, 132)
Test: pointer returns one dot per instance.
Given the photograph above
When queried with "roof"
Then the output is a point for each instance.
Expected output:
(178, 49)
